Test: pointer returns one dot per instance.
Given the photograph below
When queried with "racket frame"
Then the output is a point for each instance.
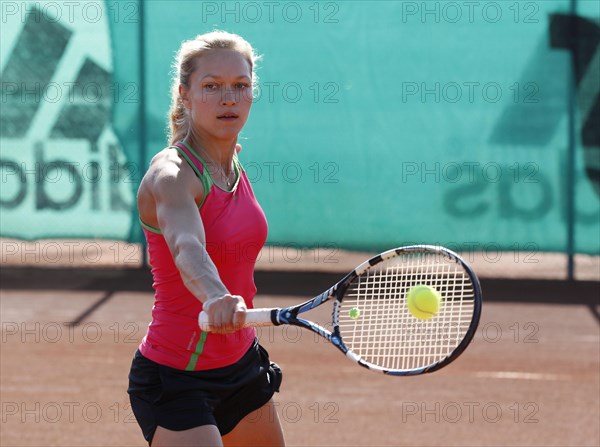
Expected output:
(290, 315)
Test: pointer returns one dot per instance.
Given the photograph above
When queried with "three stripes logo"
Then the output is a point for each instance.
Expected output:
(581, 38)
(59, 155)
(577, 39)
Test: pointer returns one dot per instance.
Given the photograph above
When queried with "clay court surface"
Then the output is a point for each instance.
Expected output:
(531, 376)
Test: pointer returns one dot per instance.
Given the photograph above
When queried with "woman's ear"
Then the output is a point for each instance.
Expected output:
(183, 94)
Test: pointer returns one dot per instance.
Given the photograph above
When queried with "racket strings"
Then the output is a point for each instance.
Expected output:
(385, 333)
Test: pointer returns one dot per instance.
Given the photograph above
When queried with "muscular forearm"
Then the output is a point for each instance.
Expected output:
(197, 270)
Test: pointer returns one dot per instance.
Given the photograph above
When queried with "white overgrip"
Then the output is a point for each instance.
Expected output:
(254, 318)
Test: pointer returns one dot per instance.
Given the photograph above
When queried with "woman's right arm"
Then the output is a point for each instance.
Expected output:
(172, 191)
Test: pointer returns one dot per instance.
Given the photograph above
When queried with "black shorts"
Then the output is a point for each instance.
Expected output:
(180, 400)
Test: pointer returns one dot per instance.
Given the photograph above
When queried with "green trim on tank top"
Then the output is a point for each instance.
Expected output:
(206, 180)
(149, 228)
(197, 352)
(237, 167)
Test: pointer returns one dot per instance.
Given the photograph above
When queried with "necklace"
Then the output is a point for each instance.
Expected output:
(224, 176)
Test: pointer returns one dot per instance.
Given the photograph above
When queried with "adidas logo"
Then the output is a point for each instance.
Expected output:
(60, 160)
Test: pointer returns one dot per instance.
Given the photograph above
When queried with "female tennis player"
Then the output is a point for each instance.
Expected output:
(204, 230)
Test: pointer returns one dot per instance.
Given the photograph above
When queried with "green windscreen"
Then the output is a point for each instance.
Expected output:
(375, 123)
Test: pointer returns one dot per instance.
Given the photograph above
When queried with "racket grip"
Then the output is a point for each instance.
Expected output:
(254, 318)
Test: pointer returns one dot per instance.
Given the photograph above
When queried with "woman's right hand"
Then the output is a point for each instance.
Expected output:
(226, 314)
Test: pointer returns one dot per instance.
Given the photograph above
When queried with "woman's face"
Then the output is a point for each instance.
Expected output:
(219, 96)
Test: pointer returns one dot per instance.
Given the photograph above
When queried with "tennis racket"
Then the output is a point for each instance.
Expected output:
(386, 337)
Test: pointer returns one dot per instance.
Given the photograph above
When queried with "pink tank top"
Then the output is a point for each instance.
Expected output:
(236, 230)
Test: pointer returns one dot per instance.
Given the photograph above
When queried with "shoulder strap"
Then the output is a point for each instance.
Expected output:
(196, 163)
(149, 228)
(237, 164)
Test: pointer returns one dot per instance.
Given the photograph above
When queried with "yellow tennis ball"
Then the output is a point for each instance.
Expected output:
(354, 313)
(423, 301)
